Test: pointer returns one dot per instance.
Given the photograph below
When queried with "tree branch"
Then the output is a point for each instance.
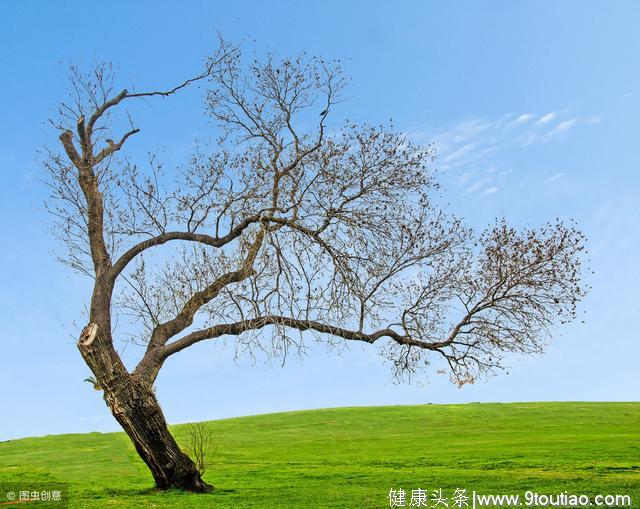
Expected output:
(184, 318)
(208, 240)
(67, 142)
(113, 147)
(237, 328)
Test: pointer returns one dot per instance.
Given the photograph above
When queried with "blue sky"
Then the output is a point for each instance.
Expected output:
(534, 110)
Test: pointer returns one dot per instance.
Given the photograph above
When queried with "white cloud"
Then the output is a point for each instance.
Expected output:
(594, 120)
(523, 119)
(459, 152)
(547, 118)
(527, 139)
(562, 128)
(565, 125)
(554, 177)
(473, 187)
(465, 177)
(474, 152)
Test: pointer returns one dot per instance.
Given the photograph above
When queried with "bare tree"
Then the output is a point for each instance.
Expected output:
(287, 228)
(200, 445)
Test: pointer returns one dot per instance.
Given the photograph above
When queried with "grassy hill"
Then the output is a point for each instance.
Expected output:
(352, 457)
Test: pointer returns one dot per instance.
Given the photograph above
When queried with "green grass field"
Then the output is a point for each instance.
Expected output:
(352, 457)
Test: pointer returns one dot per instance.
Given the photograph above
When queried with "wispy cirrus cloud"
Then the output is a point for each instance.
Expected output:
(522, 119)
(562, 128)
(471, 146)
(547, 118)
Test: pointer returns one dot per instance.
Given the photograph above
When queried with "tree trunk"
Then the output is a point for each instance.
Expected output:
(135, 407)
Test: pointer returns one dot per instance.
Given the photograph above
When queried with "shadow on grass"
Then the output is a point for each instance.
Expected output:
(152, 491)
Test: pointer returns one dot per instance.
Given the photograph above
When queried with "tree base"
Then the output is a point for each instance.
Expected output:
(192, 485)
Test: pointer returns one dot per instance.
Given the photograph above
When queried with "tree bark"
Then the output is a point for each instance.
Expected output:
(135, 407)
